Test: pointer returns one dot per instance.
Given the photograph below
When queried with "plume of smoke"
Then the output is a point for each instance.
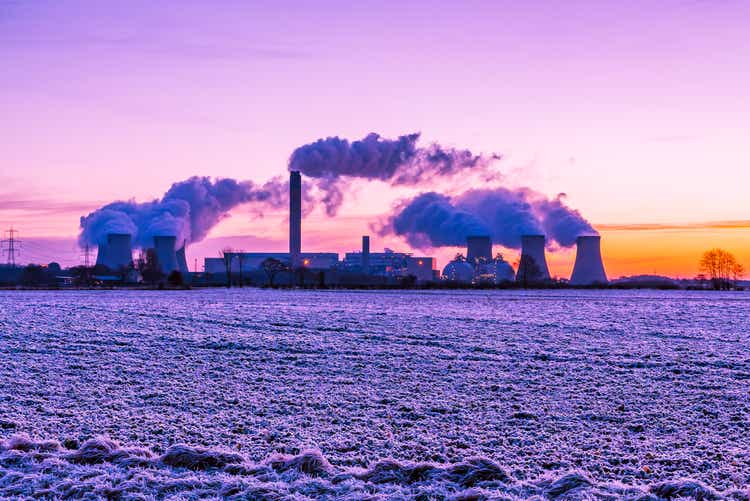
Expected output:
(435, 220)
(188, 210)
(400, 161)
(561, 223)
(431, 220)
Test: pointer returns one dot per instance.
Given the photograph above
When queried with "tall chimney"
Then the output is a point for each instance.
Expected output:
(295, 218)
(588, 269)
(365, 254)
(533, 265)
(478, 247)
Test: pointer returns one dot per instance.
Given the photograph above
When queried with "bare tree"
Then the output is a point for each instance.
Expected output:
(529, 271)
(240, 257)
(721, 267)
(226, 255)
(272, 267)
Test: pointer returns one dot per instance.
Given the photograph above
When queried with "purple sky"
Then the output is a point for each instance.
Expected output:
(640, 111)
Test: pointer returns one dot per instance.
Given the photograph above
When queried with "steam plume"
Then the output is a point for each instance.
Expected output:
(435, 220)
(396, 161)
(188, 210)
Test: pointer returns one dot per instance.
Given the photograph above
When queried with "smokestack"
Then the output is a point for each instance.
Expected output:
(588, 269)
(365, 254)
(295, 218)
(117, 252)
(533, 265)
(478, 247)
(166, 253)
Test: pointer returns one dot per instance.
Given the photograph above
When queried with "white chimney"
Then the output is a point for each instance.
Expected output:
(588, 269)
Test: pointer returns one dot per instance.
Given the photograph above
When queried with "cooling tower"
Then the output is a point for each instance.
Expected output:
(478, 247)
(295, 218)
(117, 253)
(182, 261)
(166, 254)
(365, 254)
(588, 269)
(533, 264)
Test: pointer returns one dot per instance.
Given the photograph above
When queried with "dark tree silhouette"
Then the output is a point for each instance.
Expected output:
(148, 267)
(272, 267)
(175, 279)
(226, 256)
(528, 271)
(721, 267)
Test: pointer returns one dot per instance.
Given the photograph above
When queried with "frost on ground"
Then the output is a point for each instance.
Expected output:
(345, 395)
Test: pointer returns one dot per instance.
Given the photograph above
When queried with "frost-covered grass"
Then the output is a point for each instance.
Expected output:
(295, 395)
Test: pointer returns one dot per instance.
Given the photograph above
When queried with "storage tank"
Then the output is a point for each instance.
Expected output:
(588, 268)
(459, 271)
(533, 264)
(504, 271)
(117, 252)
(166, 253)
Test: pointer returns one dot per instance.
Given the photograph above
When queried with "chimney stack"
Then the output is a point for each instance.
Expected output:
(533, 265)
(588, 269)
(295, 219)
(365, 254)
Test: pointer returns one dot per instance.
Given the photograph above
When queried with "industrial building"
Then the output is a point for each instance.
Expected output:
(365, 266)
(252, 261)
(479, 266)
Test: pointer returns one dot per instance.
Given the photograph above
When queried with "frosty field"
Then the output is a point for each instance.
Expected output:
(366, 395)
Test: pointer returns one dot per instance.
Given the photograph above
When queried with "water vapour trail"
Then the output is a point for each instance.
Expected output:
(333, 161)
(436, 220)
(188, 210)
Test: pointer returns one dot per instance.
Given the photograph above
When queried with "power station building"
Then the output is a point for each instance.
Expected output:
(479, 266)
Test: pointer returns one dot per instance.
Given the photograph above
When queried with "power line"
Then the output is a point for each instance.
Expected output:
(11, 246)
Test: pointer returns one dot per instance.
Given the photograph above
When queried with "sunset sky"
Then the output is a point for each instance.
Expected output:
(638, 111)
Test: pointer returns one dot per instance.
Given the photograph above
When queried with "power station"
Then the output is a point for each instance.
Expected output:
(479, 265)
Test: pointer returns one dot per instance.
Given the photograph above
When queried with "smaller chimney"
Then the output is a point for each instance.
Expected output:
(366, 254)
